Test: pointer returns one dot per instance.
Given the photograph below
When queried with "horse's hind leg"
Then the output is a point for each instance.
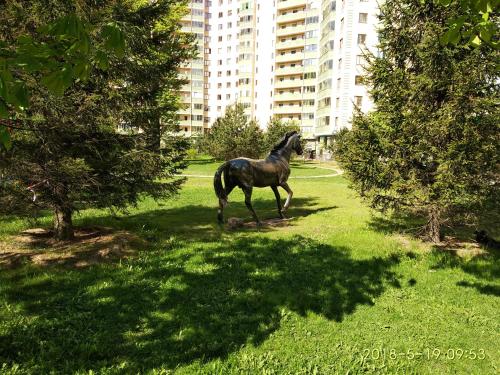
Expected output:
(285, 186)
(223, 202)
(278, 200)
(220, 211)
(248, 202)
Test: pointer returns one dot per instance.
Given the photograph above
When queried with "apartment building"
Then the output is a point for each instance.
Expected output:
(299, 60)
(241, 51)
(348, 31)
(296, 62)
(193, 117)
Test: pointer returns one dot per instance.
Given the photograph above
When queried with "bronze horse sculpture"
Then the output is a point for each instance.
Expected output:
(246, 173)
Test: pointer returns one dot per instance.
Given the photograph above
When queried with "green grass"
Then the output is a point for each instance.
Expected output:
(328, 294)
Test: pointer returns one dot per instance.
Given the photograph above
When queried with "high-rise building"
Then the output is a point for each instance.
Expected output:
(193, 115)
(241, 67)
(297, 29)
(347, 33)
(299, 60)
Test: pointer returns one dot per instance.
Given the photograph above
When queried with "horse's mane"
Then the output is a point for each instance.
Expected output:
(283, 141)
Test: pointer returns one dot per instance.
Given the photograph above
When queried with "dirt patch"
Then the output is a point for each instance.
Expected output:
(460, 247)
(90, 246)
(236, 223)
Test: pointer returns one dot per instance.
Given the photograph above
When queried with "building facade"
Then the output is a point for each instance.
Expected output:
(299, 60)
(193, 116)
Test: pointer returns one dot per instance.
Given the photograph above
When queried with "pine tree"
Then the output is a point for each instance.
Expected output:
(276, 129)
(67, 153)
(233, 135)
(431, 145)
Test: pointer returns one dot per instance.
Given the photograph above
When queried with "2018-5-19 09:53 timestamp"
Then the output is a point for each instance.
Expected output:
(425, 354)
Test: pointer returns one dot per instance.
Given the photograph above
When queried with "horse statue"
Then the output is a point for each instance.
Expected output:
(246, 173)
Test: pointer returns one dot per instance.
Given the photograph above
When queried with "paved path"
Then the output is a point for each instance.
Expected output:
(338, 172)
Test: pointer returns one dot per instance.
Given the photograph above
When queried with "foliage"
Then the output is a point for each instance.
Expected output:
(233, 135)
(476, 23)
(67, 153)
(276, 129)
(431, 146)
(313, 296)
(59, 52)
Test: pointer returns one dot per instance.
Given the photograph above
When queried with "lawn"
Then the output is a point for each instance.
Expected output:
(339, 290)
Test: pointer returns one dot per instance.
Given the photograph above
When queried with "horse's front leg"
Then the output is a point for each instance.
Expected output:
(278, 200)
(248, 202)
(285, 186)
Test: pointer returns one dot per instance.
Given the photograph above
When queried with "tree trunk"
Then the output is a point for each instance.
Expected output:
(434, 225)
(63, 224)
(154, 135)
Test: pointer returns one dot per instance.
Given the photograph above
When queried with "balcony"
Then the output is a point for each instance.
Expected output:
(288, 83)
(291, 17)
(299, 42)
(288, 4)
(300, 29)
(309, 95)
(324, 111)
(290, 70)
(323, 130)
(288, 96)
(184, 123)
(288, 109)
(308, 109)
(245, 12)
(287, 57)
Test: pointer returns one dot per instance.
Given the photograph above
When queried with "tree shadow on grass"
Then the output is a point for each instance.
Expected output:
(198, 222)
(459, 251)
(484, 266)
(167, 309)
(396, 223)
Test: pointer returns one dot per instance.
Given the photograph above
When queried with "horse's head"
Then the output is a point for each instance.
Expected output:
(296, 143)
(290, 141)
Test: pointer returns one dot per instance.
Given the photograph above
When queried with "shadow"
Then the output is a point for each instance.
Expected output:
(396, 223)
(488, 220)
(90, 246)
(484, 266)
(169, 308)
(198, 222)
(492, 290)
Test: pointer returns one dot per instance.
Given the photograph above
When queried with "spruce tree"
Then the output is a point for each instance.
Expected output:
(234, 135)
(431, 144)
(276, 129)
(108, 140)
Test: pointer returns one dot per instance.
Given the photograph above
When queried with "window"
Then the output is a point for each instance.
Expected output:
(361, 39)
(360, 59)
(358, 80)
(363, 17)
(358, 100)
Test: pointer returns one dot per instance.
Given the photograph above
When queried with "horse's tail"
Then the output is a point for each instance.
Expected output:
(219, 189)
